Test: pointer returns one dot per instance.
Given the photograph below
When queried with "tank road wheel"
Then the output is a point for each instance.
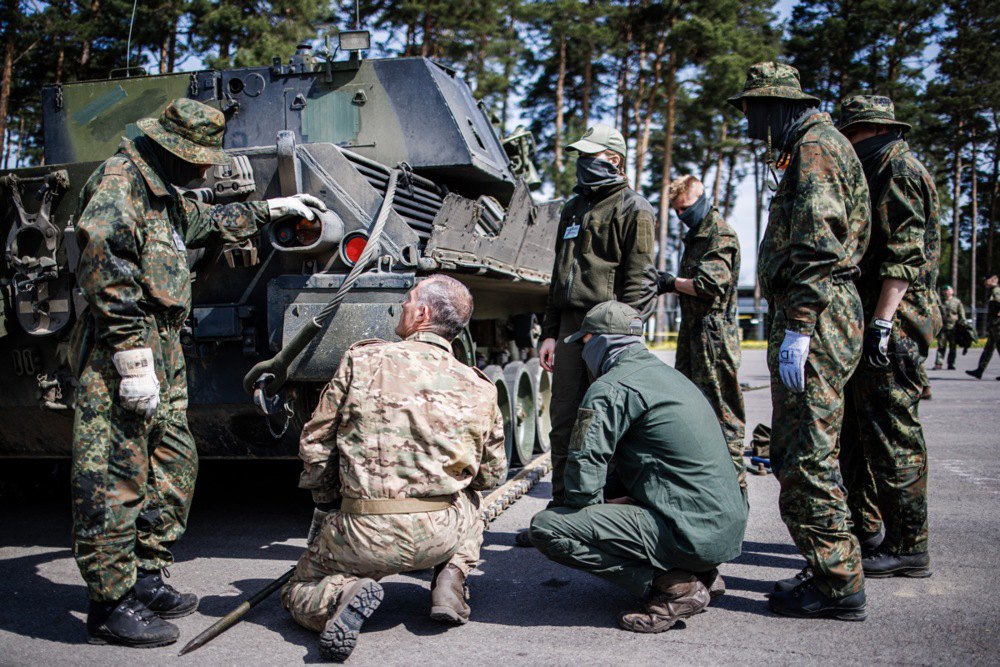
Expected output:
(541, 383)
(522, 402)
(495, 374)
(464, 348)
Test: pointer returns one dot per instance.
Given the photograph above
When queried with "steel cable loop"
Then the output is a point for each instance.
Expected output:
(372, 248)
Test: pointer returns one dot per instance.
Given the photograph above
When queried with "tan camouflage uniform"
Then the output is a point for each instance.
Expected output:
(398, 420)
(133, 478)
(708, 342)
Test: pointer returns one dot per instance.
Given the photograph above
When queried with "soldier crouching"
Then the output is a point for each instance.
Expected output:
(406, 436)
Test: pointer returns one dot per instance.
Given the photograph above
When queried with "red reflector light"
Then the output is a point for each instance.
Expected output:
(353, 248)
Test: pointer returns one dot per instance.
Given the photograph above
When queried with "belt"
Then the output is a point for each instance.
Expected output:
(364, 506)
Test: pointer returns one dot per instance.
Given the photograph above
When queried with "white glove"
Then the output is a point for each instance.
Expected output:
(300, 205)
(139, 389)
(792, 360)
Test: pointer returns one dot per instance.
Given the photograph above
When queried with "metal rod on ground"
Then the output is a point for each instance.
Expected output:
(493, 505)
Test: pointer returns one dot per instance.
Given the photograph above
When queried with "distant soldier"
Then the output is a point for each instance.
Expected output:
(604, 251)
(884, 456)
(992, 283)
(134, 460)
(816, 233)
(708, 342)
(405, 435)
(683, 512)
(952, 314)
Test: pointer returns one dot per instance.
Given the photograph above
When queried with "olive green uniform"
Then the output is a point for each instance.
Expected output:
(686, 510)
(952, 312)
(604, 252)
(708, 342)
(992, 329)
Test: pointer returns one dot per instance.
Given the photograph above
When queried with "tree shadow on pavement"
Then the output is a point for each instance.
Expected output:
(33, 606)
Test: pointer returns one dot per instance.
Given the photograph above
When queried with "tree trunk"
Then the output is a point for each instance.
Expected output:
(718, 167)
(6, 79)
(172, 53)
(588, 83)
(164, 51)
(974, 173)
(668, 150)
(956, 210)
(994, 194)
(20, 142)
(727, 201)
(560, 92)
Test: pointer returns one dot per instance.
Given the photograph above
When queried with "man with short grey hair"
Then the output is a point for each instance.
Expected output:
(402, 441)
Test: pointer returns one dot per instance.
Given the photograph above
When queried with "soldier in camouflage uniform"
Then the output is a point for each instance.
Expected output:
(952, 313)
(884, 456)
(816, 233)
(992, 283)
(708, 342)
(134, 461)
(406, 436)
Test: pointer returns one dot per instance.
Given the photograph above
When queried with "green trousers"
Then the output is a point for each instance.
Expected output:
(132, 478)
(570, 381)
(992, 342)
(615, 542)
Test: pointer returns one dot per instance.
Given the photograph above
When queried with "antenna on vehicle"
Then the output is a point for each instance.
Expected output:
(128, 47)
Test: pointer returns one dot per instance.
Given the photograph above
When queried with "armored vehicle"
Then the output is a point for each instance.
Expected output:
(347, 131)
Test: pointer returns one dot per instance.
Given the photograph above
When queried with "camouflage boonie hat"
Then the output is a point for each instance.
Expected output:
(610, 317)
(600, 137)
(877, 109)
(190, 130)
(771, 79)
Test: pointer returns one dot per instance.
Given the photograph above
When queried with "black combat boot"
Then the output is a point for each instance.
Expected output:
(161, 597)
(356, 604)
(807, 601)
(128, 622)
(802, 576)
(978, 374)
(870, 542)
(884, 563)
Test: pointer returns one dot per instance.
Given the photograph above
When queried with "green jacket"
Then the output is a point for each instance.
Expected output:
(952, 312)
(604, 252)
(669, 453)
(817, 225)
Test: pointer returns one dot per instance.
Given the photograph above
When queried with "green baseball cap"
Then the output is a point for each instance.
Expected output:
(771, 79)
(600, 137)
(944, 287)
(610, 317)
(190, 130)
(876, 109)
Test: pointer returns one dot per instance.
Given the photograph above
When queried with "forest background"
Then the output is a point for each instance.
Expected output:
(659, 71)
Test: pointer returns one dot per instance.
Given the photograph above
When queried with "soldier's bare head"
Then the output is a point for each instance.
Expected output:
(992, 280)
(440, 304)
(684, 192)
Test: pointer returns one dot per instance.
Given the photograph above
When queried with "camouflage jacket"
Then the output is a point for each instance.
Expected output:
(133, 231)
(604, 252)
(818, 224)
(952, 312)
(403, 420)
(712, 260)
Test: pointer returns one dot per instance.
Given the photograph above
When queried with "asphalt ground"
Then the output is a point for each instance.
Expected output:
(248, 526)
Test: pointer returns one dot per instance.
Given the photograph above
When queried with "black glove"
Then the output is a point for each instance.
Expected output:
(665, 282)
(875, 349)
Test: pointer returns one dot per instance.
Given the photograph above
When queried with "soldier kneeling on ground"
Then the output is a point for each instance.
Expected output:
(405, 436)
(684, 513)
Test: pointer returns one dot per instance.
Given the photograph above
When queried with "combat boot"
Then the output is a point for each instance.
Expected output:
(937, 366)
(522, 538)
(870, 542)
(978, 374)
(884, 563)
(714, 582)
(785, 585)
(161, 597)
(357, 602)
(128, 622)
(676, 595)
(449, 594)
(807, 601)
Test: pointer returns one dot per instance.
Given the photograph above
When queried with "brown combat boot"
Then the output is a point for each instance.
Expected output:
(714, 582)
(676, 595)
(449, 594)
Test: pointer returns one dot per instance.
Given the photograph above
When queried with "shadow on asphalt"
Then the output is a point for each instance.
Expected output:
(25, 592)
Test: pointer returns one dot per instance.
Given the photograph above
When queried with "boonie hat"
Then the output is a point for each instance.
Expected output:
(600, 137)
(610, 317)
(877, 109)
(771, 79)
(190, 130)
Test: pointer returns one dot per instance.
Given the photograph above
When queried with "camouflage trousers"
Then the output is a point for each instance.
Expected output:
(132, 478)
(805, 432)
(351, 546)
(708, 354)
(946, 344)
(884, 456)
(570, 381)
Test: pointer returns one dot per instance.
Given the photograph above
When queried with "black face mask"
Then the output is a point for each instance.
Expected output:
(593, 173)
(171, 168)
(775, 121)
(871, 150)
(696, 212)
